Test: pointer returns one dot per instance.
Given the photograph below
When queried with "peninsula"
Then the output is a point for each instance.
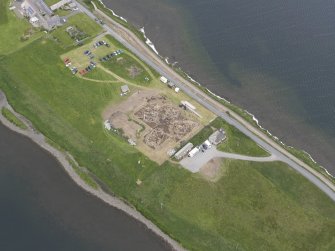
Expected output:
(131, 130)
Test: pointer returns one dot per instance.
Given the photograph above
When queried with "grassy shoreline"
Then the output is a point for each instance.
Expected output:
(12, 118)
(241, 209)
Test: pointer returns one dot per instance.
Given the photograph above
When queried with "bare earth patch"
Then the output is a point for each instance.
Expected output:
(213, 170)
(134, 71)
(153, 122)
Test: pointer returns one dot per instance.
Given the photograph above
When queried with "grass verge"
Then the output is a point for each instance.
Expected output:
(12, 118)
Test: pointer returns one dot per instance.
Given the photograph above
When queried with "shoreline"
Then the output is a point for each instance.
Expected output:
(39, 139)
(153, 47)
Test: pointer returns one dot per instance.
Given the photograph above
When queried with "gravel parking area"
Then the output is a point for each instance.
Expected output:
(195, 163)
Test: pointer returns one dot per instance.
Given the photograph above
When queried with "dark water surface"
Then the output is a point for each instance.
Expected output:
(275, 58)
(41, 208)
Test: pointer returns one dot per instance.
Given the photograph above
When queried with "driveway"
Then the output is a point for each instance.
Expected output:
(195, 163)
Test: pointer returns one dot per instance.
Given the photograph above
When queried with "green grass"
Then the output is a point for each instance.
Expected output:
(12, 118)
(99, 74)
(12, 29)
(3, 12)
(254, 206)
(51, 2)
(201, 136)
(85, 176)
(83, 23)
(121, 65)
(237, 142)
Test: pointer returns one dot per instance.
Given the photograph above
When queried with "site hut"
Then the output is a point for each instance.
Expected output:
(217, 137)
(164, 80)
(124, 90)
(182, 152)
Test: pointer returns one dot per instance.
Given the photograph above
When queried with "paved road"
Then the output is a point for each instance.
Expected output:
(195, 163)
(322, 183)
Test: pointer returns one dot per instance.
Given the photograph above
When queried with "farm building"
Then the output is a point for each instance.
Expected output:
(125, 89)
(217, 137)
(182, 152)
(164, 80)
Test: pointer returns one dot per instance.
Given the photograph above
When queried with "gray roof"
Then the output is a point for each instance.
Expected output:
(170, 84)
(217, 137)
(182, 152)
(53, 21)
(125, 88)
(44, 7)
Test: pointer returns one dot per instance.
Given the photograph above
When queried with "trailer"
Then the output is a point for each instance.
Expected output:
(164, 80)
(193, 152)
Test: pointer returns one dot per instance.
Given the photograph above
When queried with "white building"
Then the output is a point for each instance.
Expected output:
(193, 152)
(207, 144)
(34, 20)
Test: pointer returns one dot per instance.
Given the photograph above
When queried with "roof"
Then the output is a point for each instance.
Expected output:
(33, 19)
(217, 137)
(53, 21)
(125, 88)
(163, 79)
(182, 152)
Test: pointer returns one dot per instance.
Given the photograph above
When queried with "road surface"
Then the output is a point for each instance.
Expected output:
(195, 163)
(137, 46)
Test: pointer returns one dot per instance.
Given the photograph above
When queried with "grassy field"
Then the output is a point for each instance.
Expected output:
(12, 29)
(123, 64)
(254, 206)
(82, 22)
(12, 118)
(51, 2)
(3, 12)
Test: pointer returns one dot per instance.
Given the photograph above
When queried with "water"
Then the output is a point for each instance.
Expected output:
(274, 58)
(41, 208)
